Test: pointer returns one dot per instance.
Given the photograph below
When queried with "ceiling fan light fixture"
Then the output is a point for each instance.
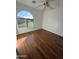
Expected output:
(33, 1)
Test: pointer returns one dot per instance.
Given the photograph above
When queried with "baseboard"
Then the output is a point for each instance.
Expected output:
(29, 30)
(52, 32)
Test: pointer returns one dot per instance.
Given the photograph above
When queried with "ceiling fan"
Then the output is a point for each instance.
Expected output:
(44, 3)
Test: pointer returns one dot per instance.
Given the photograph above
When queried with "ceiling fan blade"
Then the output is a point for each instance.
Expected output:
(38, 6)
(48, 4)
(42, 1)
(44, 4)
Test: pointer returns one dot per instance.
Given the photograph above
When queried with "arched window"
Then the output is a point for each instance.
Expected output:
(24, 19)
(24, 14)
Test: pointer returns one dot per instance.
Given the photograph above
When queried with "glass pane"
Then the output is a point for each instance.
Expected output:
(25, 21)
(25, 14)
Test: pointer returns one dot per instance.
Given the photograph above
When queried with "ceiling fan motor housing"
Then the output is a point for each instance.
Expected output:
(33, 1)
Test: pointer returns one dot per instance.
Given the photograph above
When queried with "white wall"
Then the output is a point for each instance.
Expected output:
(53, 20)
(38, 15)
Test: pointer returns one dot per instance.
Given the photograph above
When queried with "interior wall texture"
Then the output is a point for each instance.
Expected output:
(53, 20)
(49, 19)
(37, 14)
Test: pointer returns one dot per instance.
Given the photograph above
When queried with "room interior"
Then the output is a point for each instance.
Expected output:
(41, 36)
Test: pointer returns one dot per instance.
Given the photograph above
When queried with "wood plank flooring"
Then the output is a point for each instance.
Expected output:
(39, 44)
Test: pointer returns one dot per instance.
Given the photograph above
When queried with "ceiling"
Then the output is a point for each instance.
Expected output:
(53, 3)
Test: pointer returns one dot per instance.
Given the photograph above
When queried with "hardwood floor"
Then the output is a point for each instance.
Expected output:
(39, 44)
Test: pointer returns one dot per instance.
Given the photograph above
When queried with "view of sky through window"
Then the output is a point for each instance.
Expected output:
(25, 14)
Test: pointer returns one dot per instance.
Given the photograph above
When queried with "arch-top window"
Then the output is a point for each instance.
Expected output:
(25, 19)
(25, 14)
